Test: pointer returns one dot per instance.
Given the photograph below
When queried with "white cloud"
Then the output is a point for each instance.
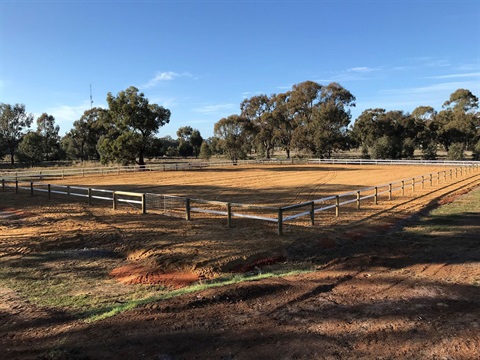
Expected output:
(361, 69)
(454, 76)
(215, 109)
(164, 76)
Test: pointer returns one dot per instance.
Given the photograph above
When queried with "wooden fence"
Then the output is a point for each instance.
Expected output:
(184, 207)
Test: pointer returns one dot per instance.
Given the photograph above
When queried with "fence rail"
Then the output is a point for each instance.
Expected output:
(42, 174)
(184, 207)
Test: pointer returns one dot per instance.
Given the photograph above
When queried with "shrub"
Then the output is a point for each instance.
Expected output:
(456, 151)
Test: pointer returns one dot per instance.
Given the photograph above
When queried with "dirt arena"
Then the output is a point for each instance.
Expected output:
(374, 285)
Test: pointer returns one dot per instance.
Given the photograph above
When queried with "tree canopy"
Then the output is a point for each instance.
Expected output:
(130, 123)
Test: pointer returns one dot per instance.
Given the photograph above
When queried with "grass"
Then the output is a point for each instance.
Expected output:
(101, 314)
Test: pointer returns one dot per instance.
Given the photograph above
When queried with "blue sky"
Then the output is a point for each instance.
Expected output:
(200, 59)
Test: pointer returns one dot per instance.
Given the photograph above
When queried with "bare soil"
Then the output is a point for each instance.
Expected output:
(380, 289)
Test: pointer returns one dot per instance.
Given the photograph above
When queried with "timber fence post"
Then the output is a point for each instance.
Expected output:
(358, 199)
(144, 204)
(114, 197)
(413, 186)
(187, 209)
(31, 188)
(312, 213)
(337, 205)
(89, 196)
(229, 215)
(49, 191)
(403, 187)
(390, 191)
(375, 196)
(16, 186)
(280, 221)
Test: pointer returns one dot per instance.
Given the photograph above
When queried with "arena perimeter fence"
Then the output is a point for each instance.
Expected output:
(183, 207)
(106, 170)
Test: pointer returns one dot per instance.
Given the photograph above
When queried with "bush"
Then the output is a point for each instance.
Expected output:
(205, 151)
(408, 148)
(476, 151)
(387, 147)
(429, 151)
(456, 151)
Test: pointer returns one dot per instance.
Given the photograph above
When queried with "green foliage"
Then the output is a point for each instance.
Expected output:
(387, 147)
(429, 150)
(233, 132)
(476, 151)
(30, 149)
(205, 151)
(189, 141)
(408, 148)
(50, 140)
(81, 141)
(14, 124)
(456, 151)
(130, 123)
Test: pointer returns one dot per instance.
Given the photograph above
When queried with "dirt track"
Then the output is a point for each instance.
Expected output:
(379, 291)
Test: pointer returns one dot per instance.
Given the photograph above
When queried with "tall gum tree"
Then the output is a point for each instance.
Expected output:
(131, 122)
(14, 124)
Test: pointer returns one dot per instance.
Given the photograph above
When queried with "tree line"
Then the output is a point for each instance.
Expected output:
(311, 119)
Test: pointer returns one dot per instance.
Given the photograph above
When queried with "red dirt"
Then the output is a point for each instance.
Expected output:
(379, 290)
(141, 274)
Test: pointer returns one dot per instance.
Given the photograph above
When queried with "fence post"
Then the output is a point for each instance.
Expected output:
(49, 191)
(375, 196)
(431, 178)
(187, 209)
(456, 173)
(31, 188)
(423, 181)
(403, 187)
(3, 185)
(337, 205)
(445, 176)
(68, 190)
(144, 204)
(114, 201)
(438, 177)
(89, 196)
(312, 213)
(83, 172)
(451, 177)
(280, 221)
(358, 199)
(16, 186)
(413, 186)
(63, 174)
(229, 215)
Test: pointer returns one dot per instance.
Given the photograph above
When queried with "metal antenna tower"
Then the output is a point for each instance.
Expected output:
(91, 99)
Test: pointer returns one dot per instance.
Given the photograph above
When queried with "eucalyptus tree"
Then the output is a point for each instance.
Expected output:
(81, 141)
(47, 129)
(130, 122)
(14, 124)
(259, 112)
(427, 136)
(322, 116)
(232, 133)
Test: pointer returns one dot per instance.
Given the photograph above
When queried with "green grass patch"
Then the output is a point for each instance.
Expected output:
(101, 314)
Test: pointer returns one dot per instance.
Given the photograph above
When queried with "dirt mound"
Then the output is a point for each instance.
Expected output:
(144, 274)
